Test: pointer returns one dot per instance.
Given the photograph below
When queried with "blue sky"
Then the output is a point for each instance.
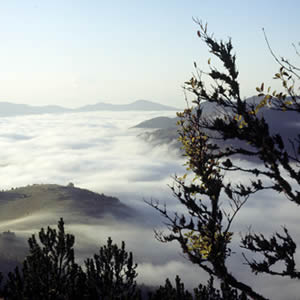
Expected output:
(80, 52)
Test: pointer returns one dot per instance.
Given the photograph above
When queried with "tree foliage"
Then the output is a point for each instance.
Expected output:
(202, 292)
(211, 144)
(111, 274)
(49, 271)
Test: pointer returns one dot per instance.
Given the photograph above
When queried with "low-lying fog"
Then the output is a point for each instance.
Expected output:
(98, 151)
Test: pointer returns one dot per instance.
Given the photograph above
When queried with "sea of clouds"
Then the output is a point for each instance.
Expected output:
(100, 151)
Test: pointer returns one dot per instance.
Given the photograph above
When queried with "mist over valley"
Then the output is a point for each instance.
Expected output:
(94, 170)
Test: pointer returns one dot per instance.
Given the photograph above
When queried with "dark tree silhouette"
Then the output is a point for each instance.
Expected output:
(111, 274)
(1, 285)
(203, 292)
(49, 271)
(169, 292)
(237, 129)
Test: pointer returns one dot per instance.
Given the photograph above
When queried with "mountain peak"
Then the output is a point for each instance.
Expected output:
(143, 101)
(141, 105)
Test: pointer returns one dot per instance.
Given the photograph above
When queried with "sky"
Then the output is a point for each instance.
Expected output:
(79, 52)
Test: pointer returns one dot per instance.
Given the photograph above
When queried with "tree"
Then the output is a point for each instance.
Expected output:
(1, 285)
(210, 144)
(203, 292)
(111, 274)
(49, 271)
(168, 292)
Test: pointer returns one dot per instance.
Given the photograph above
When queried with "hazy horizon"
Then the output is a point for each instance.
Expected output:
(87, 103)
(73, 53)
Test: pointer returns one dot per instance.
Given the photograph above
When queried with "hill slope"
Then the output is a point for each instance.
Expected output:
(25, 210)
(40, 198)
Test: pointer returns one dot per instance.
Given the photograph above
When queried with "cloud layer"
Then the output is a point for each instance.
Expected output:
(99, 152)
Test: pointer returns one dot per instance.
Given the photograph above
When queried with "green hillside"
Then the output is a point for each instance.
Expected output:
(38, 198)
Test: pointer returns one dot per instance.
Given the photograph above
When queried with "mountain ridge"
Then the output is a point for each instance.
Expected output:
(162, 130)
(8, 109)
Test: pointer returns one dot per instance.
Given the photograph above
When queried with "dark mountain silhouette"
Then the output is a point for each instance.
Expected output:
(11, 109)
(159, 122)
(287, 125)
(166, 128)
(209, 109)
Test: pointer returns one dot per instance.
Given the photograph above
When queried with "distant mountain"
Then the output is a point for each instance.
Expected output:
(159, 122)
(165, 136)
(11, 109)
(286, 124)
(166, 129)
(142, 105)
(167, 123)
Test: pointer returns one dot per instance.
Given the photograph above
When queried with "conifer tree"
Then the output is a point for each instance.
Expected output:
(202, 292)
(49, 272)
(169, 292)
(1, 285)
(111, 274)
